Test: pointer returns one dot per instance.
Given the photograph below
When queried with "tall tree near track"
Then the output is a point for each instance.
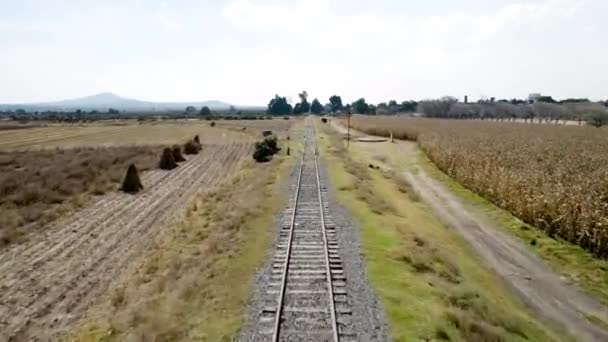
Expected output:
(316, 107)
(279, 106)
(205, 111)
(336, 103)
(360, 106)
(303, 106)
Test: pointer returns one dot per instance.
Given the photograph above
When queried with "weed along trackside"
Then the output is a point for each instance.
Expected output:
(431, 284)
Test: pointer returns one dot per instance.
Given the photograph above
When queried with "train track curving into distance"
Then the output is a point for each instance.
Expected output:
(306, 297)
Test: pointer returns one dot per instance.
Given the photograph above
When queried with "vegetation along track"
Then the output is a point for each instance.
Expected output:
(305, 299)
(48, 282)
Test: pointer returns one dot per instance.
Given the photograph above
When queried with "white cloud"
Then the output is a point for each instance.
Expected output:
(246, 50)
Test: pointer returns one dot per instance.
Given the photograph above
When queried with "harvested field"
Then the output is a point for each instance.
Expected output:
(50, 280)
(36, 187)
(128, 133)
(280, 127)
(553, 177)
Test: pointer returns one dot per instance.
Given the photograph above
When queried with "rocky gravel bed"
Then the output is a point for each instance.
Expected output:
(366, 322)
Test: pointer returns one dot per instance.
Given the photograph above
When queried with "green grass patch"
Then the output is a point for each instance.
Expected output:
(580, 266)
(429, 281)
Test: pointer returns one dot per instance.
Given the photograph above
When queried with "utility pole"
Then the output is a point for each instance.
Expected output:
(348, 132)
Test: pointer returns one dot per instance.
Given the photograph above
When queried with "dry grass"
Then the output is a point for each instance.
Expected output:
(555, 178)
(194, 284)
(125, 134)
(431, 284)
(36, 187)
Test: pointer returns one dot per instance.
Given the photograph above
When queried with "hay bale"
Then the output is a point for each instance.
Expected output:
(177, 154)
(167, 162)
(131, 183)
(192, 147)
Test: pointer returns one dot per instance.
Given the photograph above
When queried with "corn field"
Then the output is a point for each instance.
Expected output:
(553, 177)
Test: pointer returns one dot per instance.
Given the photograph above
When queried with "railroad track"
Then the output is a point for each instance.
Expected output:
(306, 297)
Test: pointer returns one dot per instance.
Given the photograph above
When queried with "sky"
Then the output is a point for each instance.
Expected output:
(245, 51)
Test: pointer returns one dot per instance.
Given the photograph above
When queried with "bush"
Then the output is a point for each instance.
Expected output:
(212, 124)
(192, 147)
(598, 118)
(132, 183)
(324, 120)
(265, 149)
(197, 140)
(262, 152)
(272, 144)
(167, 161)
(177, 154)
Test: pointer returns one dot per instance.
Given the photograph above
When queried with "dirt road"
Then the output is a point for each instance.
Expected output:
(550, 295)
(49, 281)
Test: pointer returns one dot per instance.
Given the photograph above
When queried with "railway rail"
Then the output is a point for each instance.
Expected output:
(306, 295)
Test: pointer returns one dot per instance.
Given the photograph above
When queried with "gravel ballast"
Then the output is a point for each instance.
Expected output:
(367, 319)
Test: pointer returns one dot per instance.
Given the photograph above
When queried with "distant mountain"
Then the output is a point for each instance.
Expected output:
(105, 101)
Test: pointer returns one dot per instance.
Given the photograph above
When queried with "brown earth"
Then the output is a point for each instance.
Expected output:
(49, 281)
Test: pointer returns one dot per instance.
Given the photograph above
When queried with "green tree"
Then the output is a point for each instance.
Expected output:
(316, 107)
(304, 105)
(336, 103)
(279, 106)
(205, 111)
(371, 109)
(597, 116)
(408, 106)
(360, 106)
(190, 109)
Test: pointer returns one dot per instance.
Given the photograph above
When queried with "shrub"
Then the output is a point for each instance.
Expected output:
(167, 161)
(192, 147)
(265, 149)
(212, 124)
(262, 152)
(177, 154)
(132, 183)
(324, 120)
(196, 139)
(271, 141)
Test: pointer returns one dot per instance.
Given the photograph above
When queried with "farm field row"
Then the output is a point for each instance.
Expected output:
(431, 284)
(554, 178)
(52, 278)
(178, 290)
(540, 268)
(156, 133)
(37, 187)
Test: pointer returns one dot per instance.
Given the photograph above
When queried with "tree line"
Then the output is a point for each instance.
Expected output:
(543, 110)
(280, 106)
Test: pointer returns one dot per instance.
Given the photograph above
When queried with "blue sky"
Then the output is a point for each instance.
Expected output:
(245, 51)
